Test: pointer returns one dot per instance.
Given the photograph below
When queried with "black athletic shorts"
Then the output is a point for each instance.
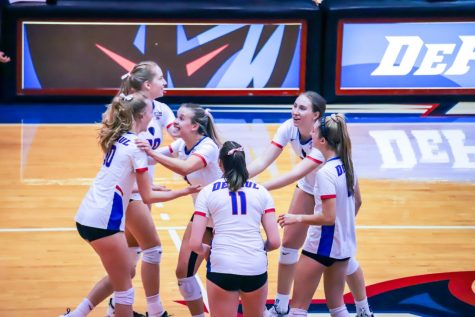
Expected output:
(233, 282)
(91, 233)
(323, 260)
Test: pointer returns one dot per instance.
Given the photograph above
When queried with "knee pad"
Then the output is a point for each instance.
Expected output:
(135, 254)
(352, 266)
(288, 256)
(294, 312)
(125, 297)
(189, 288)
(152, 255)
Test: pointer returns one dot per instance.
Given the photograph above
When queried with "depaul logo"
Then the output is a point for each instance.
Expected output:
(407, 56)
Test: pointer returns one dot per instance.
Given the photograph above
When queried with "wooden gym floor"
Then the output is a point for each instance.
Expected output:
(404, 228)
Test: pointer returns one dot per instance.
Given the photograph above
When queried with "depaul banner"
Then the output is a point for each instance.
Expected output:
(406, 58)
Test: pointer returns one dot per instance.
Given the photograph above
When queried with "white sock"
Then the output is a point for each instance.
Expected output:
(295, 312)
(340, 311)
(282, 302)
(154, 306)
(83, 309)
(362, 305)
(200, 315)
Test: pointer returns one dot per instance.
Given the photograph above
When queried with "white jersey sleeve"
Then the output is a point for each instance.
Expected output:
(201, 203)
(267, 201)
(283, 134)
(139, 160)
(163, 114)
(316, 156)
(207, 152)
(326, 185)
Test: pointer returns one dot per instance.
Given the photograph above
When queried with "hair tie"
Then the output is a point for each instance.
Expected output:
(208, 112)
(126, 98)
(125, 76)
(236, 149)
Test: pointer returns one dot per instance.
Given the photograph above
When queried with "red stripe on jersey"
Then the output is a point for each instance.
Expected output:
(200, 213)
(323, 197)
(201, 157)
(314, 159)
(169, 125)
(269, 210)
(170, 149)
(277, 144)
(141, 170)
(119, 189)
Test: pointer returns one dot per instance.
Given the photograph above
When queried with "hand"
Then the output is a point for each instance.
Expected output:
(288, 219)
(193, 189)
(4, 58)
(160, 188)
(144, 145)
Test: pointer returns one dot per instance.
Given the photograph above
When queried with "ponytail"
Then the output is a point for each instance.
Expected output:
(134, 80)
(334, 129)
(119, 118)
(233, 158)
(205, 121)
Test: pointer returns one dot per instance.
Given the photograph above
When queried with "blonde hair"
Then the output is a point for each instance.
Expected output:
(205, 121)
(119, 118)
(133, 80)
(333, 128)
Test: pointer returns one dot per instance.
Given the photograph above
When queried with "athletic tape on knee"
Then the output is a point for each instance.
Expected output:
(352, 266)
(288, 255)
(135, 254)
(125, 297)
(189, 288)
(152, 255)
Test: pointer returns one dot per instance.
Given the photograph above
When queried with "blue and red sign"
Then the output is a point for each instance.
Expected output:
(379, 58)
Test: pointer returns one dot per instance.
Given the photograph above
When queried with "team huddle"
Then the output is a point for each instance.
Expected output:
(229, 209)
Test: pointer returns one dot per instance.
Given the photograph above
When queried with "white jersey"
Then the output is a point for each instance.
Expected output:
(163, 118)
(339, 240)
(207, 150)
(106, 201)
(288, 132)
(237, 246)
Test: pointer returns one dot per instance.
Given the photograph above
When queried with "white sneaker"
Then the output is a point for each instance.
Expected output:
(110, 312)
(273, 312)
(364, 313)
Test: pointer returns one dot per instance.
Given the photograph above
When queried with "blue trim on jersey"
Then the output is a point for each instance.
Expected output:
(334, 158)
(117, 212)
(188, 152)
(300, 140)
(326, 240)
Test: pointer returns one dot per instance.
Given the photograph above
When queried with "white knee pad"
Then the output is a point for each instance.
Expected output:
(135, 254)
(125, 297)
(352, 266)
(288, 256)
(189, 288)
(152, 255)
(297, 312)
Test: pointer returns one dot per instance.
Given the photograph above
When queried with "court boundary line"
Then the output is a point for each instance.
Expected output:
(168, 228)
